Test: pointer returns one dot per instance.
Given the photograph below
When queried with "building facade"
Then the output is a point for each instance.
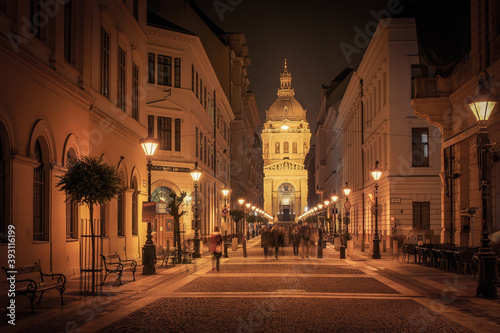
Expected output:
(94, 78)
(366, 117)
(70, 89)
(189, 114)
(229, 56)
(443, 90)
(286, 139)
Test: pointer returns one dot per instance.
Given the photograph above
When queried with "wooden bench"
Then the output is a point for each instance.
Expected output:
(114, 264)
(33, 281)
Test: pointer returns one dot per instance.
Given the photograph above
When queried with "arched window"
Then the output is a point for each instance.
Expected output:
(162, 194)
(294, 148)
(277, 148)
(40, 220)
(71, 208)
(119, 207)
(135, 210)
(286, 147)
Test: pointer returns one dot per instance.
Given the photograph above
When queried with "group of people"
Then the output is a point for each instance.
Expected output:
(304, 237)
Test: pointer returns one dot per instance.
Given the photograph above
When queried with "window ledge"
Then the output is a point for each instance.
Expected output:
(72, 240)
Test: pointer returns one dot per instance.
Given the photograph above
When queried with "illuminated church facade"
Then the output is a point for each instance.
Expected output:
(285, 138)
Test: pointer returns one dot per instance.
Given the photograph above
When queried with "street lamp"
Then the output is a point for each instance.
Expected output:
(376, 173)
(344, 232)
(149, 145)
(327, 203)
(335, 198)
(196, 174)
(482, 106)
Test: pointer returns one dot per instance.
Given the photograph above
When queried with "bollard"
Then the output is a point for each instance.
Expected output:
(225, 245)
(244, 248)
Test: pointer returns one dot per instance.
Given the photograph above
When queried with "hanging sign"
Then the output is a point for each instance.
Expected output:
(148, 211)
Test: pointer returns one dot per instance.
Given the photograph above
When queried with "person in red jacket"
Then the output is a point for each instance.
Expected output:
(216, 247)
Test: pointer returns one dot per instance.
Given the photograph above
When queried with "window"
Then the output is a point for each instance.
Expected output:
(192, 77)
(205, 151)
(197, 142)
(71, 219)
(121, 78)
(205, 101)
(164, 70)
(104, 63)
(201, 146)
(40, 221)
(165, 133)
(197, 85)
(151, 68)
(151, 126)
(201, 92)
(177, 134)
(68, 31)
(38, 19)
(135, 210)
(135, 9)
(177, 72)
(285, 147)
(102, 211)
(420, 147)
(421, 215)
(71, 207)
(135, 91)
(277, 148)
(294, 148)
(119, 214)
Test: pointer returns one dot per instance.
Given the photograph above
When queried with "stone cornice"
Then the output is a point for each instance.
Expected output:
(432, 109)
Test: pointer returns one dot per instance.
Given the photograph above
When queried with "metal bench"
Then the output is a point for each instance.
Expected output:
(163, 255)
(34, 281)
(114, 264)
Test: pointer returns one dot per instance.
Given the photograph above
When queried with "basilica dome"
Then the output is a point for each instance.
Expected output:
(286, 106)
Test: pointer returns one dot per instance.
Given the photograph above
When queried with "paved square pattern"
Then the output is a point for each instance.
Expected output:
(289, 269)
(263, 314)
(274, 284)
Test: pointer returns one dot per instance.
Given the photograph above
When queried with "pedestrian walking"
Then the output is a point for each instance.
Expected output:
(216, 248)
(265, 240)
(304, 240)
(295, 241)
(275, 240)
(281, 240)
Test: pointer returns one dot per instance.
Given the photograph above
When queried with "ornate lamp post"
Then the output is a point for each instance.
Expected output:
(196, 174)
(344, 233)
(148, 250)
(327, 203)
(376, 173)
(334, 198)
(482, 106)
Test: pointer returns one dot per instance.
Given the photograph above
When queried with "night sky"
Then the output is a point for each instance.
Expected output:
(307, 33)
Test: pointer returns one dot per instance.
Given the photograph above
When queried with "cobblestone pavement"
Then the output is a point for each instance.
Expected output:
(359, 285)
(224, 314)
(289, 268)
(252, 294)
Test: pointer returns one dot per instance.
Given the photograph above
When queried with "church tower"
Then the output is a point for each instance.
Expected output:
(285, 138)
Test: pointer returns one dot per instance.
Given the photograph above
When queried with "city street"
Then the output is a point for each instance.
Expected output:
(288, 294)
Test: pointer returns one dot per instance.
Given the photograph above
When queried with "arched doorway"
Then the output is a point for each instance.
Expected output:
(163, 228)
(286, 202)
